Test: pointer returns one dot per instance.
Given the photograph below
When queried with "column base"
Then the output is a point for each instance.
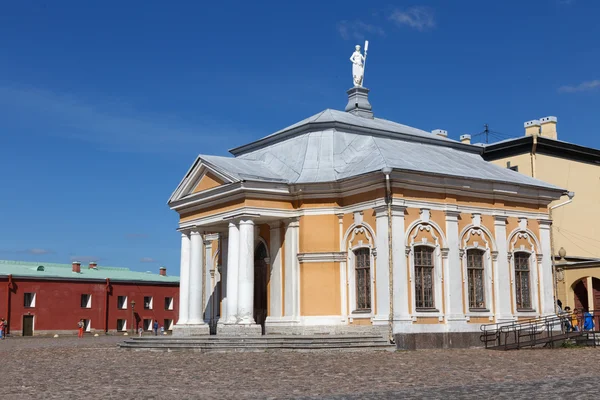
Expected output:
(191, 330)
(239, 330)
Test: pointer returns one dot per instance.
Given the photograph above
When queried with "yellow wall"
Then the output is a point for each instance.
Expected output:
(523, 161)
(320, 289)
(208, 181)
(319, 233)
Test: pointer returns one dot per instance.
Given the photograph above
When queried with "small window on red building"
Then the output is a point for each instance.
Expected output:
(29, 300)
(168, 303)
(147, 302)
(147, 324)
(121, 325)
(86, 301)
(122, 302)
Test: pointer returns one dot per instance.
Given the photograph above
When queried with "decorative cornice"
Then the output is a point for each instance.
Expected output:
(323, 257)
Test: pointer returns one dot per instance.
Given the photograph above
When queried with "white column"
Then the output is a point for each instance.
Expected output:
(545, 269)
(184, 280)
(196, 261)
(275, 288)
(399, 272)
(223, 242)
(246, 274)
(208, 284)
(453, 280)
(382, 267)
(502, 274)
(291, 269)
(233, 260)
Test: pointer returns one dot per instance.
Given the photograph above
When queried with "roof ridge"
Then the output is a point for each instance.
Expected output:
(57, 265)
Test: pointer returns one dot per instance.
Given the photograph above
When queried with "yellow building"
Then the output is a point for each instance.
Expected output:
(344, 222)
(576, 225)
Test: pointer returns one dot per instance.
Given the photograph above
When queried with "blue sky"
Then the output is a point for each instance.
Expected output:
(104, 105)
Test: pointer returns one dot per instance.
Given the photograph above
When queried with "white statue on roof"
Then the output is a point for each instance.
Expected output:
(358, 65)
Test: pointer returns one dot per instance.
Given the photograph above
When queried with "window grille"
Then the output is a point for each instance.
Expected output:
(522, 284)
(423, 258)
(362, 269)
(475, 274)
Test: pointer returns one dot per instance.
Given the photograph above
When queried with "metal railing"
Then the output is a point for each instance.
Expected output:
(542, 330)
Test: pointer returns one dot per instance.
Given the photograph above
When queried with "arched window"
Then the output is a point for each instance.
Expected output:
(362, 271)
(424, 277)
(522, 281)
(475, 274)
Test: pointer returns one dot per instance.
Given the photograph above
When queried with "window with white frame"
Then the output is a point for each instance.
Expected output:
(147, 302)
(29, 300)
(424, 277)
(522, 280)
(122, 302)
(86, 301)
(168, 303)
(168, 325)
(147, 324)
(121, 325)
(87, 325)
(475, 279)
(362, 273)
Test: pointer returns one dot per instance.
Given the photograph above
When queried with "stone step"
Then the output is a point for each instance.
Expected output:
(259, 343)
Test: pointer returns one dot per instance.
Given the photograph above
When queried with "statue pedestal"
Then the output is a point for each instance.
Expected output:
(358, 102)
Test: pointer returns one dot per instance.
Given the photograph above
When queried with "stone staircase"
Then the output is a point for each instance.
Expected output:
(215, 343)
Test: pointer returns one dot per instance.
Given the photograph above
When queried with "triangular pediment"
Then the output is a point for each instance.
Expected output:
(201, 177)
(207, 181)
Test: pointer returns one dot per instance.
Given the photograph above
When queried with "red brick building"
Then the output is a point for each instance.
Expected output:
(43, 298)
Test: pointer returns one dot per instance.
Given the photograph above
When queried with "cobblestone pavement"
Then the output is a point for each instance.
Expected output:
(68, 368)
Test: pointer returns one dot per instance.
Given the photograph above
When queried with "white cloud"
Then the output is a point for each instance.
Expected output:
(37, 251)
(358, 30)
(110, 126)
(418, 17)
(147, 260)
(582, 87)
(85, 259)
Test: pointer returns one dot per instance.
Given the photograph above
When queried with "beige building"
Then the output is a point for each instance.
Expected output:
(576, 225)
(344, 222)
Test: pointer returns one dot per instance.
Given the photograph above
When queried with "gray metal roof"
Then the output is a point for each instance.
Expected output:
(307, 153)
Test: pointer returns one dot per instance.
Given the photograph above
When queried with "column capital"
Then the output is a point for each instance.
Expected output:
(545, 223)
(246, 222)
(293, 222)
(500, 219)
(195, 231)
(340, 215)
(451, 215)
(398, 210)
(275, 225)
(380, 211)
(184, 232)
(494, 255)
(445, 252)
(539, 257)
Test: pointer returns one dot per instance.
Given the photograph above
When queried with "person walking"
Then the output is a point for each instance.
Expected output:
(155, 326)
(80, 326)
(2, 328)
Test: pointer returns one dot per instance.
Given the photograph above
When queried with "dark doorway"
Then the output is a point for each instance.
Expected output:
(581, 295)
(27, 325)
(596, 290)
(260, 285)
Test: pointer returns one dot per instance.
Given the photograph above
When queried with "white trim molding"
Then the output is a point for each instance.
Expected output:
(322, 257)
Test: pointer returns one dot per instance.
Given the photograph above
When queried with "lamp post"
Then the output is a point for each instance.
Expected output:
(132, 317)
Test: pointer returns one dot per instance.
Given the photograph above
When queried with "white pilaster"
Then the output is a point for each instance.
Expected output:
(291, 270)
(196, 261)
(224, 241)
(452, 272)
(343, 279)
(382, 267)
(233, 260)
(545, 269)
(184, 280)
(502, 274)
(400, 271)
(208, 281)
(246, 274)
(275, 285)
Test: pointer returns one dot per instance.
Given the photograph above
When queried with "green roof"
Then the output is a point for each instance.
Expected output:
(64, 271)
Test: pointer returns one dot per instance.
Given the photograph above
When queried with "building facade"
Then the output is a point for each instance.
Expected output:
(345, 222)
(576, 225)
(42, 298)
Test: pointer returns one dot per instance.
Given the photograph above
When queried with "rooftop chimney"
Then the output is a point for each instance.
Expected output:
(440, 132)
(532, 127)
(466, 139)
(163, 271)
(549, 127)
(76, 267)
(93, 265)
(358, 102)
